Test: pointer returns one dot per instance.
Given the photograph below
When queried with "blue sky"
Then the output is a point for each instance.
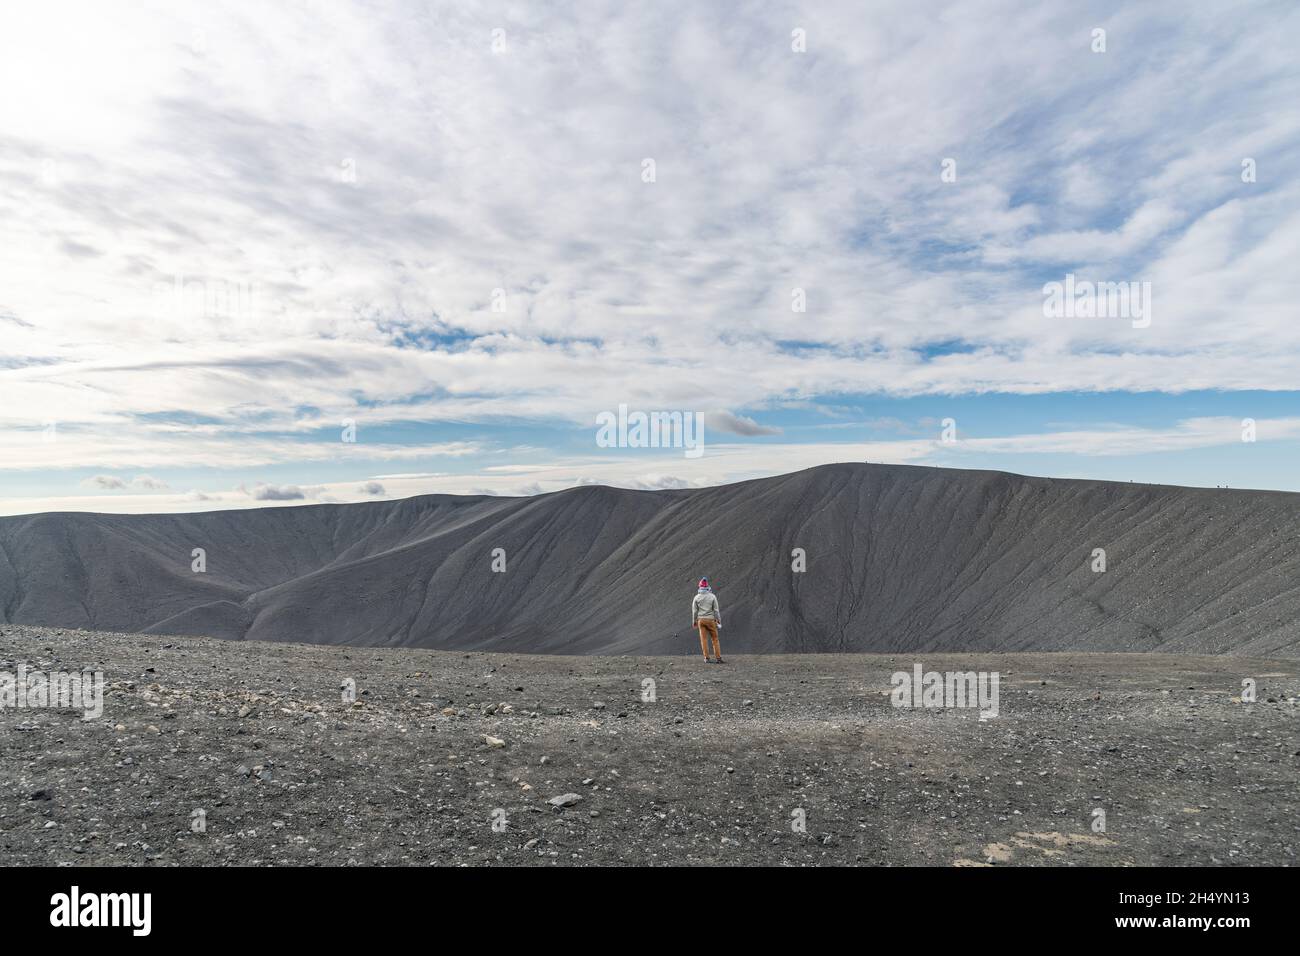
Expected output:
(226, 231)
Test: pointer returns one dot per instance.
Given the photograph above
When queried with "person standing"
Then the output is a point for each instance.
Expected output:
(707, 616)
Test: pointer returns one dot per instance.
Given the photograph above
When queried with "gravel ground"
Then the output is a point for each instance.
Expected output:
(242, 753)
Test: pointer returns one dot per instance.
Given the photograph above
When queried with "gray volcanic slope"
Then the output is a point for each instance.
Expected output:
(899, 558)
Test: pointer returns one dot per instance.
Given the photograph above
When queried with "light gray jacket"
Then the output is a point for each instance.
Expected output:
(705, 605)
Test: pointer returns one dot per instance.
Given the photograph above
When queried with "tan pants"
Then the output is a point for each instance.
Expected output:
(709, 631)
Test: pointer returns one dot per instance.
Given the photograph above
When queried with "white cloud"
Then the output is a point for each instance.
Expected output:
(725, 421)
(226, 229)
(266, 492)
(113, 483)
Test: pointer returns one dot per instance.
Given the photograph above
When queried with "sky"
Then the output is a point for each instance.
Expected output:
(277, 254)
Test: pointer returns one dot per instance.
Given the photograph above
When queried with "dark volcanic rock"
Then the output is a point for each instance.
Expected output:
(819, 769)
(898, 558)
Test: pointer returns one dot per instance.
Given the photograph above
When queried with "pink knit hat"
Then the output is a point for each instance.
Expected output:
(704, 582)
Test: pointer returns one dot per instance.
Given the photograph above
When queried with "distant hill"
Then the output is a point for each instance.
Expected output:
(899, 558)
